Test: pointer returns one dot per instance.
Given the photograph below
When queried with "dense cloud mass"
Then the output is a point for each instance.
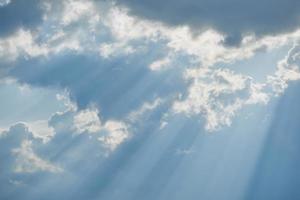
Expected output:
(232, 17)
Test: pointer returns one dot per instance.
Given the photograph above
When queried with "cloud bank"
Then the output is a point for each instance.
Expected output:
(231, 17)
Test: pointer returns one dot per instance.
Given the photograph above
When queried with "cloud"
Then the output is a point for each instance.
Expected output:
(25, 104)
(79, 70)
(287, 70)
(4, 2)
(99, 85)
(26, 156)
(90, 70)
(217, 94)
(97, 60)
(112, 32)
(18, 155)
(28, 162)
(110, 134)
(160, 64)
(17, 14)
(146, 107)
(21, 42)
(234, 18)
(73, 122)
(114, 133)
(108, 50)
(40, 129)
(205, 47)
(74, 10)
(87, 121)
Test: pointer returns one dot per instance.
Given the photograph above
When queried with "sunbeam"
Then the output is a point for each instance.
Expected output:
(149, 100)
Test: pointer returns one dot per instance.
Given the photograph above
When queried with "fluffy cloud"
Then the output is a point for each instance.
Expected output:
(111, 134)
(87, 121)
(122, 40)
(287, 70)
(114, 133)
(40, 129)
(117, 33)
(217, 95)
(234, 18)
(20, 43)
(28, 162)
(160, 64)
(74, 10)
(17, 153)
(116, 81)
(27, 152)
(205, 47)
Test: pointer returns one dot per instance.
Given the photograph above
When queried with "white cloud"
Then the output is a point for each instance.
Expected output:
(206, 48)
(116, 133)
(18, 43)
(19, 140)
(65, 98)
(28, 162)
(217, 94)
(160, 64)
(56, 38)
(111, 134)
(41, 129)
(146, 107)
(76, 9)
(125, 27)
(87, 121)
(287, 70)
(108, 50)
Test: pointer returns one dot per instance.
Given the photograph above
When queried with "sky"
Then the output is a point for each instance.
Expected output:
(148, 99)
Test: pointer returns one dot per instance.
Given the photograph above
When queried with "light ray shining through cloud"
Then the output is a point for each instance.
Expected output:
(111, 99)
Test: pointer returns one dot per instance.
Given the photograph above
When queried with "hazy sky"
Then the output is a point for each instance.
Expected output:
(149, 100)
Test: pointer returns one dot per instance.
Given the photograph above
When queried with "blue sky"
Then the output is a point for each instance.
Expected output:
(145, 99)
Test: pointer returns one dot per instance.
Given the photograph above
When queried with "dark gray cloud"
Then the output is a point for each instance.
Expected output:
(20, 14)
(232, 17)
